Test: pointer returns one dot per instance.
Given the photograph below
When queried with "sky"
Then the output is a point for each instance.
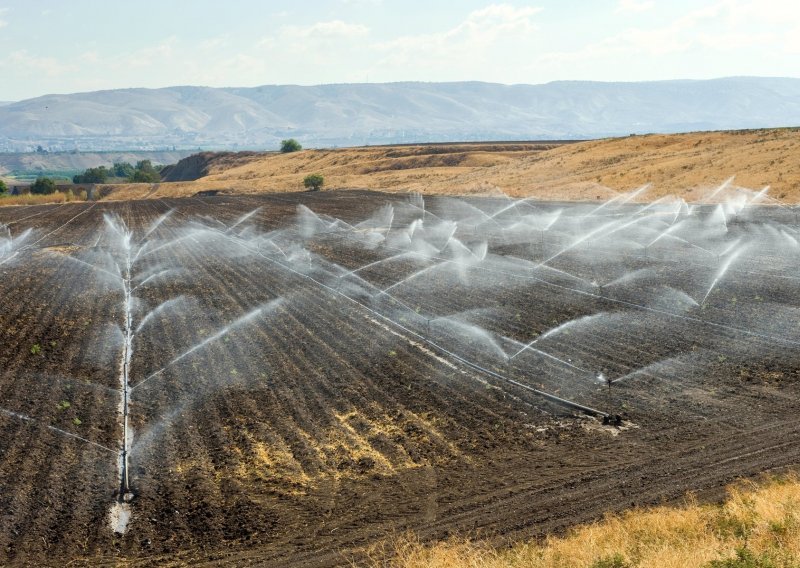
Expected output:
(49, 46)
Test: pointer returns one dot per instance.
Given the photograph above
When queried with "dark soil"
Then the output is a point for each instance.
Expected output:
(304, 439)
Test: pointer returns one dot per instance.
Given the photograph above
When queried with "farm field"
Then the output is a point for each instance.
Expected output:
(286, 379)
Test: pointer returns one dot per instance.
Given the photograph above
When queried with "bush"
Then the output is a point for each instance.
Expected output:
(43, 186)
(290, 145)
(144, 172)
(92, 175)
(122, 170)
(313, 182)
(3, 187)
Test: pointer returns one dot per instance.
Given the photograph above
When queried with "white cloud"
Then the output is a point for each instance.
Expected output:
(25, 63)
(153, 55)
(683, 34)
(3, 23)
(634, 6)
(333, 29)
(476, 39)
(215, 43)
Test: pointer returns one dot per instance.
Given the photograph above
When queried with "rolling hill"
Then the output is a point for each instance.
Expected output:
(358, 114)
(681, 164)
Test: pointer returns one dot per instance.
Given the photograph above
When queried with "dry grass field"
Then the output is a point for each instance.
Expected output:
(757, 527)
(30, 199)
(687, 165)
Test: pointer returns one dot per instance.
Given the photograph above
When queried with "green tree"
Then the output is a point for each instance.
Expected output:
(290, 145)
(92, 175)
(43, 186)
(145, 173)
(122, 170)
(313, 182)
(3, 187)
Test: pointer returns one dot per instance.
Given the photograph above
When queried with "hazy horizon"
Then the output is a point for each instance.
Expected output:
(334, 83)
(385, 41)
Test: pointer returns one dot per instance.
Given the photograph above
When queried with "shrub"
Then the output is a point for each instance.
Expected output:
(144, 172)
(92, 175)
(122, 170)
(313, 182)
(290, 145)
(43, 186)
(3, 187)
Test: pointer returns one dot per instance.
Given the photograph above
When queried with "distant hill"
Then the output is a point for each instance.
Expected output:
(357, 114)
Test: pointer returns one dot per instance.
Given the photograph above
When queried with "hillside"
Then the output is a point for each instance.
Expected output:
(680, 164)
(78, 161)
(355, 114)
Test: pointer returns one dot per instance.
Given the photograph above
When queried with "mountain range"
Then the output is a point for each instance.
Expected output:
(369, 113)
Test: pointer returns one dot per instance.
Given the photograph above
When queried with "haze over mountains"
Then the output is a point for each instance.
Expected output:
(357, 114)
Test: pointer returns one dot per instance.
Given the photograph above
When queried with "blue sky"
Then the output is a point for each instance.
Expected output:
(83, 45)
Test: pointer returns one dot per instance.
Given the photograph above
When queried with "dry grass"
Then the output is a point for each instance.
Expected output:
(757, 527)
(688, 165)
(30, 199)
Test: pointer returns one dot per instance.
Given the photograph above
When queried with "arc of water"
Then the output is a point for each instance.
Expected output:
(221, 333)
(161, 218)
(557, 329)
(548, 396)
(722, 187)
(26, 418)
(378, 262)
(416, 275)
(722, 271)
(159, 309)
(244, 218)
(152, 277)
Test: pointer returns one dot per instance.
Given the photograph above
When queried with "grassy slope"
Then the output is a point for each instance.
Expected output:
(57, 197)
(757, 527)
(682, 164)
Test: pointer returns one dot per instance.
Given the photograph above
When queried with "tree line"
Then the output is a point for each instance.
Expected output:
(143, 172)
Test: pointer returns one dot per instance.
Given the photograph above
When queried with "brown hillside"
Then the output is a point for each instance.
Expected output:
(681, 164)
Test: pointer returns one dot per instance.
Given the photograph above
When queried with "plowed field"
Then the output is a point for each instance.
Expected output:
(294, 396)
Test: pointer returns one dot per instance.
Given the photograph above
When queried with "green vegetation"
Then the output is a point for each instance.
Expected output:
(29, 176)
(145, 173)
(64, 404)
(615, 561)
(744, 559)
(43, 186)
(122, 170)
(290, 145)
(92, 175)
(313, 182)
(3, 187)
(36, 349)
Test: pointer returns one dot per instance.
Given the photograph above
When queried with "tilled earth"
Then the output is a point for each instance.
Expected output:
(307, 435)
